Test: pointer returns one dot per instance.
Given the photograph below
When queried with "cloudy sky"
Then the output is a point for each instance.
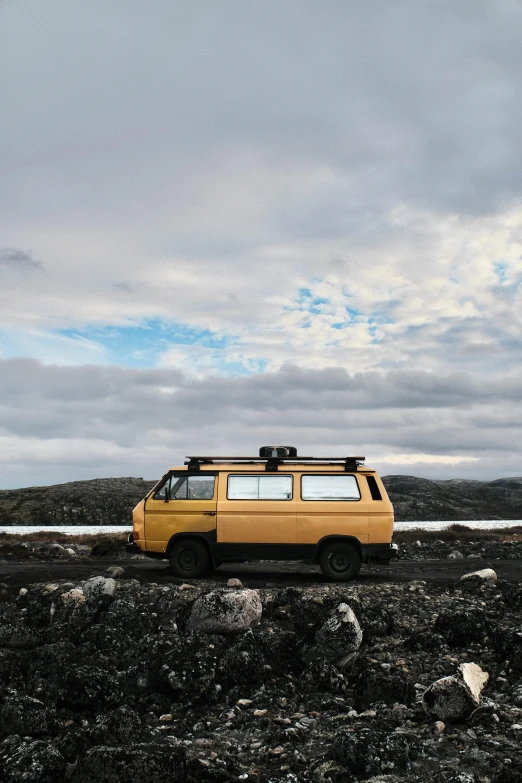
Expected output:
(227, 224)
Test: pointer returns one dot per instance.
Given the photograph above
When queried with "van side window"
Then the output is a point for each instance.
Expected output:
(186, 488)
(338, 487)
(374, 488)
(259, 488)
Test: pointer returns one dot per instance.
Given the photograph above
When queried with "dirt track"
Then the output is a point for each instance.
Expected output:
(265, 574)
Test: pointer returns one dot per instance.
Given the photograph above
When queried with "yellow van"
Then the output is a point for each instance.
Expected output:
(333, 511)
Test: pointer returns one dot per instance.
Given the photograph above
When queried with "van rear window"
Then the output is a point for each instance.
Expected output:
(338, 487)
(259, 487)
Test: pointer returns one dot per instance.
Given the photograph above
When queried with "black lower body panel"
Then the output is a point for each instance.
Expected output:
(227, 552)
(379, 553)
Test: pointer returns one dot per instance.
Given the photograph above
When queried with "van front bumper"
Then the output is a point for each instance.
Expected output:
(379, 553)
(131, 546)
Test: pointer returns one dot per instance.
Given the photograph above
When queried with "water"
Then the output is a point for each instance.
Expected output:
(475, 524)
(76, 530)
(72, 530)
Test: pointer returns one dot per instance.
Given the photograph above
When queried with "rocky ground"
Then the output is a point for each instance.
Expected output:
(112, 679)
(110, 501)
(474, 545)
(460, 550)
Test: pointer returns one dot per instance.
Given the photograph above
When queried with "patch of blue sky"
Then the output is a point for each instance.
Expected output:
(48, 347)
(242, 367)
(372, 331)
(501, 271)
(380, 319)
(354, 314)
(141, 345)
(309, 303)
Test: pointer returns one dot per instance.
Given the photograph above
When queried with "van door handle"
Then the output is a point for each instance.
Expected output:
(209, 513)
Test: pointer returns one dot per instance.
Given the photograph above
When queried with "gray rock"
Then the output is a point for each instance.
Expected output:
(455, 555)
(337, 639)
(486, 576)
(73, 597)
(139, 763)
(454, 698)
(97, 586)
(448, 699)
(115, 572)
(225, 611)
(24, 715)
(32, 762)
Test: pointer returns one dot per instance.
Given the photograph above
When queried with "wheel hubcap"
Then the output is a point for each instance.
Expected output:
(187, 559)
(339, 562)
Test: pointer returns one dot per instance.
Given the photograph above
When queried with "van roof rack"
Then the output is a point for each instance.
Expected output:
(272, 463)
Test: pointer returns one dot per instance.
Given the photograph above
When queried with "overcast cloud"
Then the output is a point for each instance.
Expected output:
(228, 224)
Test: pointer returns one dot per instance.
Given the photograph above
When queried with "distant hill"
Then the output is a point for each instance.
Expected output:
(96, 502)
(110, 501)
(460, 499)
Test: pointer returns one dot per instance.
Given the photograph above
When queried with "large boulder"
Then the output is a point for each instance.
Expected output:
(88, 687)
(337, 639)
(459, 627)
(486, 576)
(31, 762)
(454, 698)
(455, 555)
(24, 715)
(98, 586)
(138, 763)
(225, 611)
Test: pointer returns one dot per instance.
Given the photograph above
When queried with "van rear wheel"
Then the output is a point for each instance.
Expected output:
(340, 561)
(189, 558)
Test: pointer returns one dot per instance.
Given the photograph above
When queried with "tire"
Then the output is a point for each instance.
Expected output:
(189, 558)
(340, 561)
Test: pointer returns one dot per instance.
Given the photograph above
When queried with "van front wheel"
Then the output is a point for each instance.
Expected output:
(340, 561)
(189, 558)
